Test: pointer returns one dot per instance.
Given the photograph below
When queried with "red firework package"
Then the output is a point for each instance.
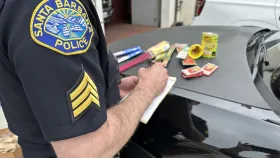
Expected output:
(189, 62)
(192, 72)
(194, 76)
(209, 69)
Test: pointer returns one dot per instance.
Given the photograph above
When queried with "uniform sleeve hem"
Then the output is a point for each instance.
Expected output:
(75, 130)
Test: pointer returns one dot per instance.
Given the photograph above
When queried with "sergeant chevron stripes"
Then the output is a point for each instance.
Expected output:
(83, 96)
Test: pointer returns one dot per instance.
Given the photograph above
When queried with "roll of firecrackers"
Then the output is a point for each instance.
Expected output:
(163, 58)
(159, 49)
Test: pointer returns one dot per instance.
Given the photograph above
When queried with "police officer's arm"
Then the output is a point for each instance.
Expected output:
(53, 48)
(121, 122)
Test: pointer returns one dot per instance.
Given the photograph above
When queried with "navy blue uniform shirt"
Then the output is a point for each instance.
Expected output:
(56, 76)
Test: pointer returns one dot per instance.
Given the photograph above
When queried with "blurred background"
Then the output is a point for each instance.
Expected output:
(123, 18)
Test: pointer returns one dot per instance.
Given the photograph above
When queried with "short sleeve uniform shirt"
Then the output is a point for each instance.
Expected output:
(56, 76)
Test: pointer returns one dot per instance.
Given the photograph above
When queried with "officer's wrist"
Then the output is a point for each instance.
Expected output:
(144, 96)
(147, 91)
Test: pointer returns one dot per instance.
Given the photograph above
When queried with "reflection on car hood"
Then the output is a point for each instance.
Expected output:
(219, 133)
(213, 132)
(232, 131)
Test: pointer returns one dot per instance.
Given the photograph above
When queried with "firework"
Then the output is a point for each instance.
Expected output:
(210, 44)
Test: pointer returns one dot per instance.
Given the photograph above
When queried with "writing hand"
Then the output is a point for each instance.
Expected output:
(127, 85)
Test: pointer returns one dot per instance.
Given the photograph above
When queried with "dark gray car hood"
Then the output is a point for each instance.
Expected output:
(232, 81)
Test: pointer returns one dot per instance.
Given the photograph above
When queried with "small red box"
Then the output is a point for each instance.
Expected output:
(209, 69)
(192, 72)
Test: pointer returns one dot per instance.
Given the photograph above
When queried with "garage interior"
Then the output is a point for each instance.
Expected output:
(119, 24)
(124, 18)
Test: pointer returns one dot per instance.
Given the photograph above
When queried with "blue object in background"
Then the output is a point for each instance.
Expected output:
(129, 56)
(127, 51)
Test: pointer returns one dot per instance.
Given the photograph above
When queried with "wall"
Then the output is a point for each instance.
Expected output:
(167, 13)
(187, 12)
(120, 11)
(99, 9)
(145, 12)
(185, 15)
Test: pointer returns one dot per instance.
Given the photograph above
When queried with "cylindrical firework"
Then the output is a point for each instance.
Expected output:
(210, 44)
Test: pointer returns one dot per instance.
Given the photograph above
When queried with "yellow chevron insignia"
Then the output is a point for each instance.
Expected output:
(82, 95)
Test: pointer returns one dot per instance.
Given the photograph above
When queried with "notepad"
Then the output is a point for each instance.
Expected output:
(152, 108)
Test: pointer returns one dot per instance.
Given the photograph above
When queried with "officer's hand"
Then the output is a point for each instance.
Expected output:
(127, 85)
(153, 79)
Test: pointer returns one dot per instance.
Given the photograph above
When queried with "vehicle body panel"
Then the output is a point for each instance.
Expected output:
(227, 129)
(258, 13)
(228, 135)
(232, 62)
(277, 13)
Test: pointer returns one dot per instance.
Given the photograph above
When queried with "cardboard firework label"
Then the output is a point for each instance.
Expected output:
(209, 69)
(180, 46)
(183, 53)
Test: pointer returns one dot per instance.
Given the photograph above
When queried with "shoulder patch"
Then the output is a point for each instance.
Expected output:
(82, 96)
(62, 26)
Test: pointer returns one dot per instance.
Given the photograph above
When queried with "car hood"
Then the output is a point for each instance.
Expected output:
(214, 133)
(232, 81)
(239, 136)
